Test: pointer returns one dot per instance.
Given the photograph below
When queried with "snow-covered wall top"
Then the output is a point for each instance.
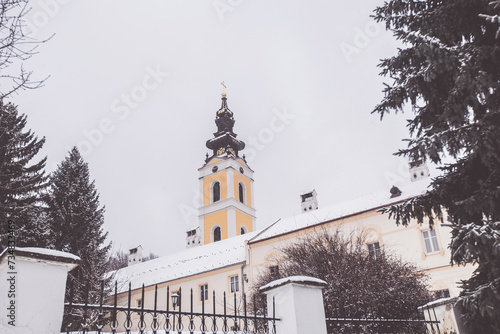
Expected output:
(305, 280)
(340, 210)
(183, 264)
(42, 253)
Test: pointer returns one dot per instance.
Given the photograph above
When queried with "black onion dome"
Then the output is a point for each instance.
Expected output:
(224, 140)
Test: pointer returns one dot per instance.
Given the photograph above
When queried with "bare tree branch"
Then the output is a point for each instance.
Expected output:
(15, 48)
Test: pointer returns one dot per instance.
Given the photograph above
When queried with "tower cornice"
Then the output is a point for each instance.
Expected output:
(225, 204)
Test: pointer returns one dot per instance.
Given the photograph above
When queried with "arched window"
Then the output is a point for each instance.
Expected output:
(241, 192)
(243, 230)
(216, 192)
(217, 234)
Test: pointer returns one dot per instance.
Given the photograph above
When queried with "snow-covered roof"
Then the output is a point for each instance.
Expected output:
(189, 262)
(341, 209)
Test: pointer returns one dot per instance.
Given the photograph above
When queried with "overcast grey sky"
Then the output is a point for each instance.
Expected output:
(136, 84)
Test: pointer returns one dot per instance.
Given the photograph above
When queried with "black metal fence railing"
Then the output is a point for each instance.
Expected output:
(100, 318)
(382, 325)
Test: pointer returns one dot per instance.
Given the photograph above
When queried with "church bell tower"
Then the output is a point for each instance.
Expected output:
(226, 182)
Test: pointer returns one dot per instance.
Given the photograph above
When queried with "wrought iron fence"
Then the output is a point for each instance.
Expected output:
(102, 318)
(381, 325)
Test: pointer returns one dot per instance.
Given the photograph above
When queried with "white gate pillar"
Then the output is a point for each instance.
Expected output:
(299, 304)
(32, 286)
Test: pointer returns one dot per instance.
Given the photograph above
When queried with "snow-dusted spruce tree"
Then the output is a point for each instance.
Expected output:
(22, 179)
(448, 72)
(77, 220)
(359, 286)
(34, 228)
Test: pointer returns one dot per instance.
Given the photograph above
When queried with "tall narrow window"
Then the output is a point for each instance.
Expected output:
(241, 192)
(216, 192)
(274, 271)
(233, 280)
(431, 241)
(217, 234)
(204, 292)
(374, 250)
(445, 293)
(243, 230)
(139, 304)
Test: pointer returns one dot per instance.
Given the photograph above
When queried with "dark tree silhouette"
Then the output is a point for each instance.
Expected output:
(448, 72)
(77, 220)
(22, 179)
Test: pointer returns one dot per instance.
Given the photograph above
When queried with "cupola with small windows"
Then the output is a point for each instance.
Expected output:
(418, 170)
(309, 201)
(135, 255)
(226, 184)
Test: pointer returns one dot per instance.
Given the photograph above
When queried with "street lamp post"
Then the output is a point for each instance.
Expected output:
(175, 300)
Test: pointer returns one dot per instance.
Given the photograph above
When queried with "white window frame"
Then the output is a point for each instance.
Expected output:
(204, 292)
(244, 229)
(212, 191)
(431, 241)
(138, 302)
(376, 252)
(274, 270)
(234, 284)
(212, 233)
(243, 192)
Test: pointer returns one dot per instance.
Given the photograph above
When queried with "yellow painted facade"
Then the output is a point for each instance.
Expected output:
(248, 190)
(243, 219)
(207, 186)
(216, 218)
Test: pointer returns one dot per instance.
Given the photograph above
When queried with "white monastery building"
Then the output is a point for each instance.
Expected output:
(225, 253)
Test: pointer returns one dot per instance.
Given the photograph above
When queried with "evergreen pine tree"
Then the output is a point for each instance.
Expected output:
(22, 181)
(36, 228)
(77, 220)
(449, 73)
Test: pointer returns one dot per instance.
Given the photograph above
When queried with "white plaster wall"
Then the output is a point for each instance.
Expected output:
(300, 308)
(39, 300)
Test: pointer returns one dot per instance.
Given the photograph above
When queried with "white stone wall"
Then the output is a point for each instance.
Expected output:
(33, 290)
